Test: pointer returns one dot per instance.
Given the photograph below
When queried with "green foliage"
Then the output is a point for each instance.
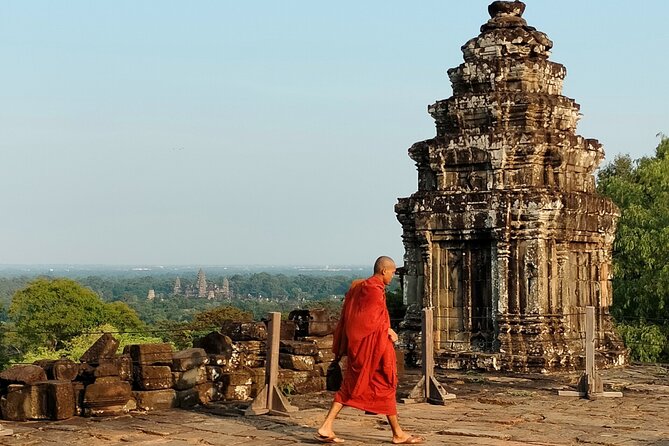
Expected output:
(647, 342)
(641, 250)
(640, 188)
(49, 312)
(181, 334)
(213, 318)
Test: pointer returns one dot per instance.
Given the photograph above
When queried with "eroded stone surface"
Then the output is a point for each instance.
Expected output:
(215, 343)
(22, 374)
(188, 359)
(153, 377)
(103, 349)
(150, 354)
(506, 237)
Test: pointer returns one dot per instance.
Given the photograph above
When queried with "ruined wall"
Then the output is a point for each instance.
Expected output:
(225, 365)
(506, 237)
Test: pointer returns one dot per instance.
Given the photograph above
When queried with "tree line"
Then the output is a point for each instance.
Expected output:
(50, 317)
(640, 188)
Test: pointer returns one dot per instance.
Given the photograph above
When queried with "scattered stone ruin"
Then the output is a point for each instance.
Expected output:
(506, 237)
(225, 365)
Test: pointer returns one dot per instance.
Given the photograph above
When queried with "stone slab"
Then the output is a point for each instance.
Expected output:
(155, 399)
(190, 378)
(153, 377)
(103, 349)
(150, 354)
(189, 359)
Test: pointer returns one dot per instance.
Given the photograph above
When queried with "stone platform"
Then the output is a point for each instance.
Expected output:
(490, 409)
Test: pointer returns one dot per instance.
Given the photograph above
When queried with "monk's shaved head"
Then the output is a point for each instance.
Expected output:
(383, 262)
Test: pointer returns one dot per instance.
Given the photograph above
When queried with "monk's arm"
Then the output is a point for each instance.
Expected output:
(392, 335)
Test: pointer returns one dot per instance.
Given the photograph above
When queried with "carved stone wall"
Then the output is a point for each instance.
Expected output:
(506, 237)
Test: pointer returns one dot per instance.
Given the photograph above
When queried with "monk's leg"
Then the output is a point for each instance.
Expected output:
(400, 436)
(327, 428)
(398, 433)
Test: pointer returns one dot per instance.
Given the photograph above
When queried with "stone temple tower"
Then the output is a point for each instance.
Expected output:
(506, 237)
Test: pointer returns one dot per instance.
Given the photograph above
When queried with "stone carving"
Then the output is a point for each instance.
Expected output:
(506, 237)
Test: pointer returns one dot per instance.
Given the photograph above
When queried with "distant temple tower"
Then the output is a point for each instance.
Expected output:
(151, 295)
(506, 237)
(201, 284)
(225, 289)
(177, 287)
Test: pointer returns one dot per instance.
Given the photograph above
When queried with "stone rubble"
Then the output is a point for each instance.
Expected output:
(223, 366)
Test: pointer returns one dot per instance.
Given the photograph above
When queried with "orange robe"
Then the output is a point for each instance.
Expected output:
(370, 379)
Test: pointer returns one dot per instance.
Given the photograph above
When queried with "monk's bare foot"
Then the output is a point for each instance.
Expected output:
(406, 438)
(327, 436)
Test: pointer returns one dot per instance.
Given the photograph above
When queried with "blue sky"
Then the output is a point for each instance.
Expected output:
(256, 132)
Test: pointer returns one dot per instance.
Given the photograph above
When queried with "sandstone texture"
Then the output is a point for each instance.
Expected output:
(506, 237)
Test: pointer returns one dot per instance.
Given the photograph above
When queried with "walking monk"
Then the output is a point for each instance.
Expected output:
(365, 337)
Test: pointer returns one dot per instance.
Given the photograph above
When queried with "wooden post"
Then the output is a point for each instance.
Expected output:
(590, 385)
(270, 399)
(428, 388)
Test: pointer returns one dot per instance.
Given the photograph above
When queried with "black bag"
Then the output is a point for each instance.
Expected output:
(333, 376)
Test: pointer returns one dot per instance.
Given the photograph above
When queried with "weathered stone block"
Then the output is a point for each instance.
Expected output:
(222, 391)
(201, 394)
(150, 354)
(215, 344)
(59, 369)
(153, 377)
(239, 378)
(125, 368)
(234, 386)
(299, 348)
(155, 399)
(189, 359)
(248, 354)
(106, 369)
(325, 356)
(107, 379)
(103, 349)
(323, 342)
(288, 330)
(25, 402)
(22, 374)
(301, 381)
(190, 378)
(60, 399)
(320, 323)
(244, 331)
(296, 362)
(314, 322)
(106, 399)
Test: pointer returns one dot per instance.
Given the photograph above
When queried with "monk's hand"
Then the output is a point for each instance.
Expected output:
(392, 335)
